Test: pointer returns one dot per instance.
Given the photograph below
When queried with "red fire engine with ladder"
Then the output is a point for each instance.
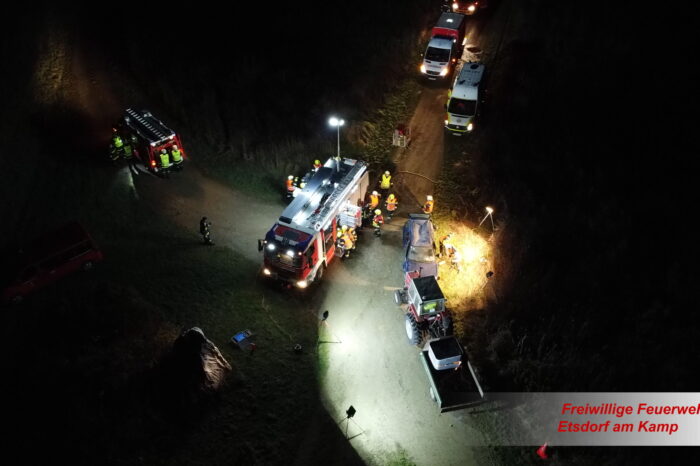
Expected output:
(151, 136)
(302, 242)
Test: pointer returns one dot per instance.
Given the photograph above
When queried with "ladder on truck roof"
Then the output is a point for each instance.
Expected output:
(322, 196)
(147, 126)
(339, 194)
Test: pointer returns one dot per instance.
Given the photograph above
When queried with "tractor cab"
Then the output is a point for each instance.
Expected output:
(425, 306)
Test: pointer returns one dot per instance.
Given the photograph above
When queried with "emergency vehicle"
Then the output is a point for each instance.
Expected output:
(445, 46)
(150, 136)
(463, 98)
(302, 242)
(468, 7)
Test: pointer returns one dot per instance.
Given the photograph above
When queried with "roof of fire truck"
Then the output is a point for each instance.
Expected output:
(321, 198)
(147, 127)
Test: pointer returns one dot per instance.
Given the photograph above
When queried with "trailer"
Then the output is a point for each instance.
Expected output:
(453, 382)
(302, 243)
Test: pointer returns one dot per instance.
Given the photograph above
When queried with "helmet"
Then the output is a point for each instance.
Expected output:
(430, 198)
(163, 151)
(391, 196)
(387, 173)
(175, 146)
(290, 177)
(375, 193)
(317, 162)
(377, 212)
(344, 228)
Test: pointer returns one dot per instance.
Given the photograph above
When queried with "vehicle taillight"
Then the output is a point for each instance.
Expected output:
(153, 163)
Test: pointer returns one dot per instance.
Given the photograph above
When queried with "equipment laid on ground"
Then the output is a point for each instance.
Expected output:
(425, 304)
(302, 242)
(445, 46)
(243, 339)
(453, 381)
(402, 136)
(463, 99)
(150, 137)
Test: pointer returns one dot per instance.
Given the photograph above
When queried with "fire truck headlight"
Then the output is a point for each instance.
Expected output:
(270, 247)
(470, 127)
(471, 8)
(302, 283)
(447, 121)
(266, 271)
(422, 69)
(455, 5)
(290, 253)
(443, 72)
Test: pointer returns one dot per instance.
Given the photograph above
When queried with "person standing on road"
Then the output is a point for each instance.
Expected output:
(444, 243)
(429, 205)
(391, 205)
(385, 184)
(176, 155)
(164, 160)
(204, 225)
(377, 222)
(373, 200)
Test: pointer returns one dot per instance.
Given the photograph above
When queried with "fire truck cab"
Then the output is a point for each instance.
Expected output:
(149, 136)
(301, 244)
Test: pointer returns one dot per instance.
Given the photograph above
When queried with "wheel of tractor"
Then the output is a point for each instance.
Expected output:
(399, 297)
(447, 325)
(412, 331)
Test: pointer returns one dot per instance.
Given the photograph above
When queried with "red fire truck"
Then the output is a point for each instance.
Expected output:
(302, 242)
(149, 136)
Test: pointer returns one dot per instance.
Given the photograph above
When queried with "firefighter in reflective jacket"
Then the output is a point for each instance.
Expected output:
(317, 164)
(377, 222)
(386, 181)
(164, 159)
(428, 206)
(346, 240)
(176, 154)
(116, 147)
(128, 152)
(373, 200)
(391, 205)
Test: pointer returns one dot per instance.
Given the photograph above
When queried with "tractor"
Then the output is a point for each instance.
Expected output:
(425, 304)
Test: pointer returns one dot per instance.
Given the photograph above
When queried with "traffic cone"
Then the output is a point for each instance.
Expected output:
(542, 451)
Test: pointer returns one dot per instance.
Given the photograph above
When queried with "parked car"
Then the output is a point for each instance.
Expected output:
(419, 245)
(46, 259)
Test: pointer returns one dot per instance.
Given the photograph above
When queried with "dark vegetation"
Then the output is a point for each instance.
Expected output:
(581, 157)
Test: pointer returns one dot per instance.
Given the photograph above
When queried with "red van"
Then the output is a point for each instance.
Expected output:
(46, 259)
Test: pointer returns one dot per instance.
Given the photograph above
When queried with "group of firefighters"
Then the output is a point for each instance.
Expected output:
(372, 212)
(118, 148)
